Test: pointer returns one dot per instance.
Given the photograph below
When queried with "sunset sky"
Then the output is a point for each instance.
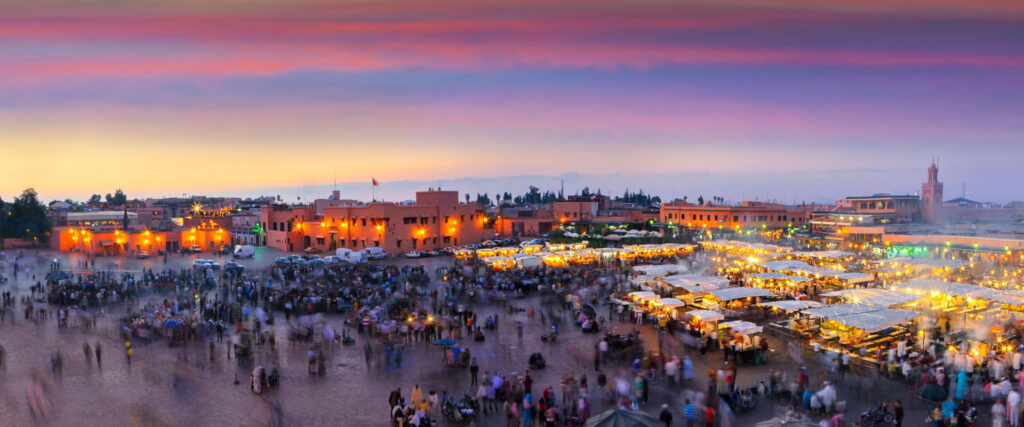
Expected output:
(799, 100)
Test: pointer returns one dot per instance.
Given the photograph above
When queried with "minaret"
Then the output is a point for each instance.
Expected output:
(931, 196)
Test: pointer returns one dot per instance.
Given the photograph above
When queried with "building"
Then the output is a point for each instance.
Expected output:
(435, 220)
(882, 208)
(931, 197)
(747, 214)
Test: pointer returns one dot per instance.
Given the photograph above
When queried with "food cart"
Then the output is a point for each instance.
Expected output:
(741, 340)
(701, 322)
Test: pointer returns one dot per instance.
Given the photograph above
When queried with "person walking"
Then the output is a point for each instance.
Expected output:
(666, 415)
(474, 369)
(998, 414)
(709, 416)
(689, 413)
(897, 412)
(87, 351)
(99, 356)
(1013, 407)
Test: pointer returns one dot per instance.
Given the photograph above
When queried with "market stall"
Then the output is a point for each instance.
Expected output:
(877, 297)
(733, 301)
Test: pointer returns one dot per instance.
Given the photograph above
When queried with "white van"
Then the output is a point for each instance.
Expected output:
(356, 257)
(244, 251)
(375, 253)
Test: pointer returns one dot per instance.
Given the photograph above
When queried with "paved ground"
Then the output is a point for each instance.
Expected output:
(145, 393)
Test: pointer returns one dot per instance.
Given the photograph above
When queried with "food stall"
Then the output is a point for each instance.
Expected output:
(778, 282)
(667, 307)
(464, 253)
(552, 260)
(508, 250)
(850, 327)
(732, 301)
(500, 262)
(741, 340)
(701, 322)
(527, 261)
(691, 287)
(788, 306)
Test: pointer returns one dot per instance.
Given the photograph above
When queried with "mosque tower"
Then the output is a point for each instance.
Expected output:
(931, 196)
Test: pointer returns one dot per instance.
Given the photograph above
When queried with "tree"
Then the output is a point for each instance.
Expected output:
(118, 198)
(467, 197)
(95, 199)
(700, 200)
(585, 192)
(25, 218)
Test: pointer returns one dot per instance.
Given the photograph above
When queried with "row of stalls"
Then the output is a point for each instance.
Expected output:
(563, 255)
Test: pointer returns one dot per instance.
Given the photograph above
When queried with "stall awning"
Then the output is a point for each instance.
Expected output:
(730, 294)
(697, 284)
(791, 305)
(879, 297)
(855, 277)
(671, 302)
(705, 315)
(780, 276)
(741, 327)
(870, 318)
(642, 294)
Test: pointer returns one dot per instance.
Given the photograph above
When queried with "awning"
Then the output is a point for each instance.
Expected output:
(741, 327)
(870, 318)
(642, 294)
(879, 297)
(729, 294)
(855, 277)
(705, 315)
(791, 305)
(697, 284)
(106, 242)
(671, 302)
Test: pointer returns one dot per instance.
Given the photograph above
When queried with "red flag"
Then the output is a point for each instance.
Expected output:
(374, 181)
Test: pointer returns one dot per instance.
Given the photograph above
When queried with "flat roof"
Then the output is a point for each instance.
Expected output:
(884, 196)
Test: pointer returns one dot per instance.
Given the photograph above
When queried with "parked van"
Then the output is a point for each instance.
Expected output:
(375, 253)
(244, 251)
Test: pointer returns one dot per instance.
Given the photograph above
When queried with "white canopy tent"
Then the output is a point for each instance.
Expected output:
(742, 327)
(697, 284)
(869, 318)
(879, 297)
(729, 294)
(854, 278)
(790, 305)
(705, 315)
(780, 276)
(671, 303)
(642, 294)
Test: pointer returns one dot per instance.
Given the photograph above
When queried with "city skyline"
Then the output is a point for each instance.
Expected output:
(793, 100)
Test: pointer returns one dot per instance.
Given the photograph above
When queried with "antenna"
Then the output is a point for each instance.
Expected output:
(963, 193)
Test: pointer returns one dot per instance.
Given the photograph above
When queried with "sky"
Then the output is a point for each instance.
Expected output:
(788, 100)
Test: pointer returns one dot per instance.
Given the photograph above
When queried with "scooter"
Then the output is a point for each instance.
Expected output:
(878, 416)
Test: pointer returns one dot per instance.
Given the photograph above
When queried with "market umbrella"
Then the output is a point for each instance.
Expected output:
(932, 392)
(171, 323)
(623, 418)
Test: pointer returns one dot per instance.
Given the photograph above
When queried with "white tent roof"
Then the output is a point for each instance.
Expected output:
(833, 254)
(870, 318)
(780, 276)
(741, 327)
(729, 294)
(879, 297)
(706, 315)
(855, 277)
(642, 294)
(671, 302)
(661, 270)
(791, 305)
(928, 263)
(696, 284)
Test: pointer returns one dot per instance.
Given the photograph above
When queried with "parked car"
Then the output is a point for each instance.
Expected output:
(142, 254)
(413, 254)
(433, 253)
(234, 267)
(331, 259)
(194, 249)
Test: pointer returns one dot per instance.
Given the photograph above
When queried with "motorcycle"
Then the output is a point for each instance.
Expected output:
(463, 411)
(878, 416)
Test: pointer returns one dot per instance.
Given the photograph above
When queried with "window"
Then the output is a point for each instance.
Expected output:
(423, 221)
(409, 220)
(376, 243)
(364, 243)
(354, 245)
(364, 225)
(435, 240)
(433, 220)
(446, 219)
(398, 243)
(462, 218)
(289, 227)
(447, 239)
(693, 216)
(342, 243)
(735, 218)
(320, 241)
(274, 225)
